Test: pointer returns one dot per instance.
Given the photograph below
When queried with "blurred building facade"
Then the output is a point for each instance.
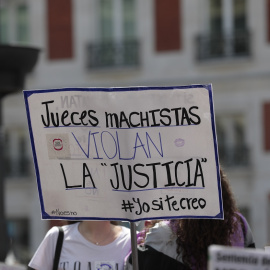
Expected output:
(92, 43)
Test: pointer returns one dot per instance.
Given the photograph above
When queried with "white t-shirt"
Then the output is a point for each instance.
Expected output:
(80, 254)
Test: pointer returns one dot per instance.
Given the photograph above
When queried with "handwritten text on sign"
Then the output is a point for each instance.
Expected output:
(125, 153)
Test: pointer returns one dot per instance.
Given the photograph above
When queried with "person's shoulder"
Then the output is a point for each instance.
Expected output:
(69, 227)
(125, 230)
(249, 239)
(160, 233)
(244, 221)
(51, 236)
(246, 232)
(70, 230)
(162, 228)
(240, 215)
(162, 239)
(52, 231)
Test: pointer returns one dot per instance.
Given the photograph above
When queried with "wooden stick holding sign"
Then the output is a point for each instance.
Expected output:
(135, 261)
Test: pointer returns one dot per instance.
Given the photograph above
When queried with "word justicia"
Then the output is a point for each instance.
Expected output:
(186, 174)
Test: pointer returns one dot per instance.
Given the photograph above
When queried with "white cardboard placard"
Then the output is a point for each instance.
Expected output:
(125, 153)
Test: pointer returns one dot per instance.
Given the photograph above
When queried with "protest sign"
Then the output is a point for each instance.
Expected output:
(125, 153)
(221, 257)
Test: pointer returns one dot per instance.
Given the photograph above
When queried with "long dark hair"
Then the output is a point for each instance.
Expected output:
(195, 235)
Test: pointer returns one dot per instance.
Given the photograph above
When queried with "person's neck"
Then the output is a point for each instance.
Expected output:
(98, 232)
(95, 227)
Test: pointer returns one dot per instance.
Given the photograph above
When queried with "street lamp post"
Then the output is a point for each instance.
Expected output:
(15, 63)
(3, 230)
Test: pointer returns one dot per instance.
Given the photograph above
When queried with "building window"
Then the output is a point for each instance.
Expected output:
(106, 20)
(14, 24)
(215, 17)
(117, 20)
(4, 30)
(129, 19)
(232, 146)
(17, 162)
(228, 34)
(22, 28)
(240, 20)
(227, 16)
(116, 44)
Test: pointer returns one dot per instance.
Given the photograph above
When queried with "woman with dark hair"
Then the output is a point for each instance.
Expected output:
(183, 243)
(86, 245)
